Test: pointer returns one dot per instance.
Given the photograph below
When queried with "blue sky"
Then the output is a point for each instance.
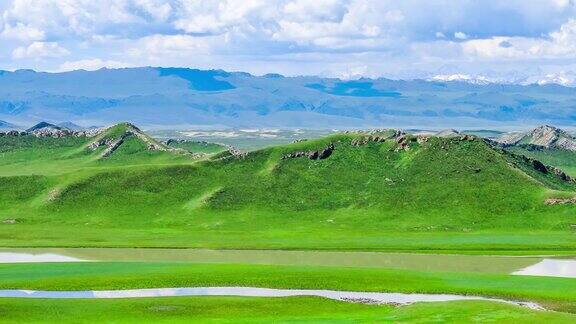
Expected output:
(343, 38)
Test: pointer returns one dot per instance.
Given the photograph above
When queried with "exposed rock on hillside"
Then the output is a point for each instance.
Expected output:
(9, 221)
(403, 139)
(236, 152)
(172, 141)
(543, 168)
(544, 136)
(403, 143)
(560, 201)
(312, 155)
(377, 136)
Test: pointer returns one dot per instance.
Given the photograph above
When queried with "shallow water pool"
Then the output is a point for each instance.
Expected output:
(550, 268)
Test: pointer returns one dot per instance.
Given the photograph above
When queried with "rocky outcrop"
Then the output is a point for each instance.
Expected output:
(377, 136)
(403, 143)
(52, 132)
(236, 152)
(560, 201)
(112, 146)
(545, 136)
(312, 155)
(173, 141)
(543, 168)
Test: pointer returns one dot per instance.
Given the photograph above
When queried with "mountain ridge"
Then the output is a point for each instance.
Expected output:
(170, 97)
(108, 140)
(545, 136)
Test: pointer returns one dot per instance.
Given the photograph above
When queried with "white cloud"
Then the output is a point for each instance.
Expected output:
(217, 17)
(460, 35)
(156, 47)
(56, 19)
(157, 9)
(39, 50)
(559, 44)
(320, 10)
(22, 32)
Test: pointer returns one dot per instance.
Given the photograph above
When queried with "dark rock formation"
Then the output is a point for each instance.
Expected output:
(403, 143)
(543, 168)
(377, 137)
(312, 155)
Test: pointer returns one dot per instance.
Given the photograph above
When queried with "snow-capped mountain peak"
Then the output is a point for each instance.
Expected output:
(459, 77)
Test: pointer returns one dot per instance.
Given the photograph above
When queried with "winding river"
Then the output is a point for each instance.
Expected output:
(348, 296)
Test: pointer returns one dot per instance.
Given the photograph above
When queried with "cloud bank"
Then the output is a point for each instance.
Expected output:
(344, 38)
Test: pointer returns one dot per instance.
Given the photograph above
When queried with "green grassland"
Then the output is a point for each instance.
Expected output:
(259, 310)
(554, 293)
(442, 194)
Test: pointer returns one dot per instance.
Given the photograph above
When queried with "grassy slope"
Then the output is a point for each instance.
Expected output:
(442, 194)
(256, 310)
(29, 155)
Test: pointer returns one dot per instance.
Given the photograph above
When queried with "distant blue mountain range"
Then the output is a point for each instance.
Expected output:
(178, 97)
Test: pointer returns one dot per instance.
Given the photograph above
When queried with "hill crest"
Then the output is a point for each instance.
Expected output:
(113, 137)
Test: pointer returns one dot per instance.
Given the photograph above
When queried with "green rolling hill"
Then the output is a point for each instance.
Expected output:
(384, 190)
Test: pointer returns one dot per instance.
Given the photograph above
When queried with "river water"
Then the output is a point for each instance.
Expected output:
(348, 296)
